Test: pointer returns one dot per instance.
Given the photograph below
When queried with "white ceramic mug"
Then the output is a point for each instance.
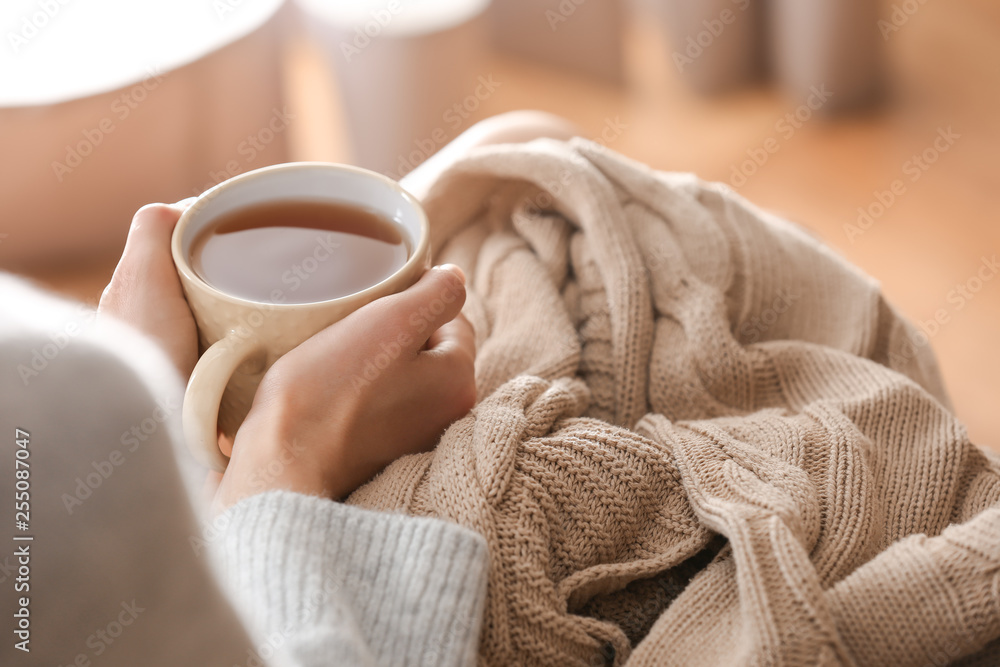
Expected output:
(241, 338)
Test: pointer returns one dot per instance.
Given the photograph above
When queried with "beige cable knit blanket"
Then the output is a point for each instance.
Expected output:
(702, 437)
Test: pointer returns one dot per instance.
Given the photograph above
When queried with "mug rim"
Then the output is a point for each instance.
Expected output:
(183, 265)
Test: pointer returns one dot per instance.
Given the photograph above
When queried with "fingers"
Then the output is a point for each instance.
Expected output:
(435, 300)
(147, 253)
(150, 232)
(451, 361)
(410, 317)
(452, 337)
(149, 235)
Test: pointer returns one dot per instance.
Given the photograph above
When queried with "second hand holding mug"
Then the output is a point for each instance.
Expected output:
(242, 338)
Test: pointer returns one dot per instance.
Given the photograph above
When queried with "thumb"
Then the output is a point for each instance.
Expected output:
(150, 232)
(434, 300)
(146, 253)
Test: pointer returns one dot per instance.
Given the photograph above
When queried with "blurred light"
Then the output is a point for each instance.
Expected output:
(58, 50)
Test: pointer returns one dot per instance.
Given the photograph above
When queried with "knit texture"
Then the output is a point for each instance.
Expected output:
(702, 438)
(338, 585)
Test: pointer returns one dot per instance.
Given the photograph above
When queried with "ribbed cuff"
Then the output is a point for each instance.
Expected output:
(327, 579)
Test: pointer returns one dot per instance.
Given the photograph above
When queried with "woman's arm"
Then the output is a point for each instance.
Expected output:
(334, 584)
(121, 570)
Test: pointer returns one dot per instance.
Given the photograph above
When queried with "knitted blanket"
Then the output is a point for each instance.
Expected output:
(702, 437)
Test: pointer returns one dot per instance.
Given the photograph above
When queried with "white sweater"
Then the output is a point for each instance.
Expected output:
(124, 568)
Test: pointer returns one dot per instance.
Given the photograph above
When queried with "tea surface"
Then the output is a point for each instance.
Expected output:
(298, 251)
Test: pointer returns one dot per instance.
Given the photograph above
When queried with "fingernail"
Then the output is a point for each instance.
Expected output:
(454, 269)
(184, 203)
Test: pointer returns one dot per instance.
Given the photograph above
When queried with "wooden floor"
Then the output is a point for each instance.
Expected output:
(932, 240)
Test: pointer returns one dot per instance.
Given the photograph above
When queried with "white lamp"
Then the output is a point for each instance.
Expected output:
(410, 73)
(109, 104)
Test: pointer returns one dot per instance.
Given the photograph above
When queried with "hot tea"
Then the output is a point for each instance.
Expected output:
(298, 251)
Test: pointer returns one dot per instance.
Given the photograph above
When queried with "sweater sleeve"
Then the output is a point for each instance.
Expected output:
(327, 583)
(119, 565)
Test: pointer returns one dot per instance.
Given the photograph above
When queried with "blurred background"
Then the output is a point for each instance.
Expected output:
(873, 124)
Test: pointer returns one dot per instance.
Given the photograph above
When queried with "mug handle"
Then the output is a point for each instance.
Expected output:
(203, 396)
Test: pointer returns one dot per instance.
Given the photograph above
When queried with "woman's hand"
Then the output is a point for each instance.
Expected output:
(384, 382)
(145, 290)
